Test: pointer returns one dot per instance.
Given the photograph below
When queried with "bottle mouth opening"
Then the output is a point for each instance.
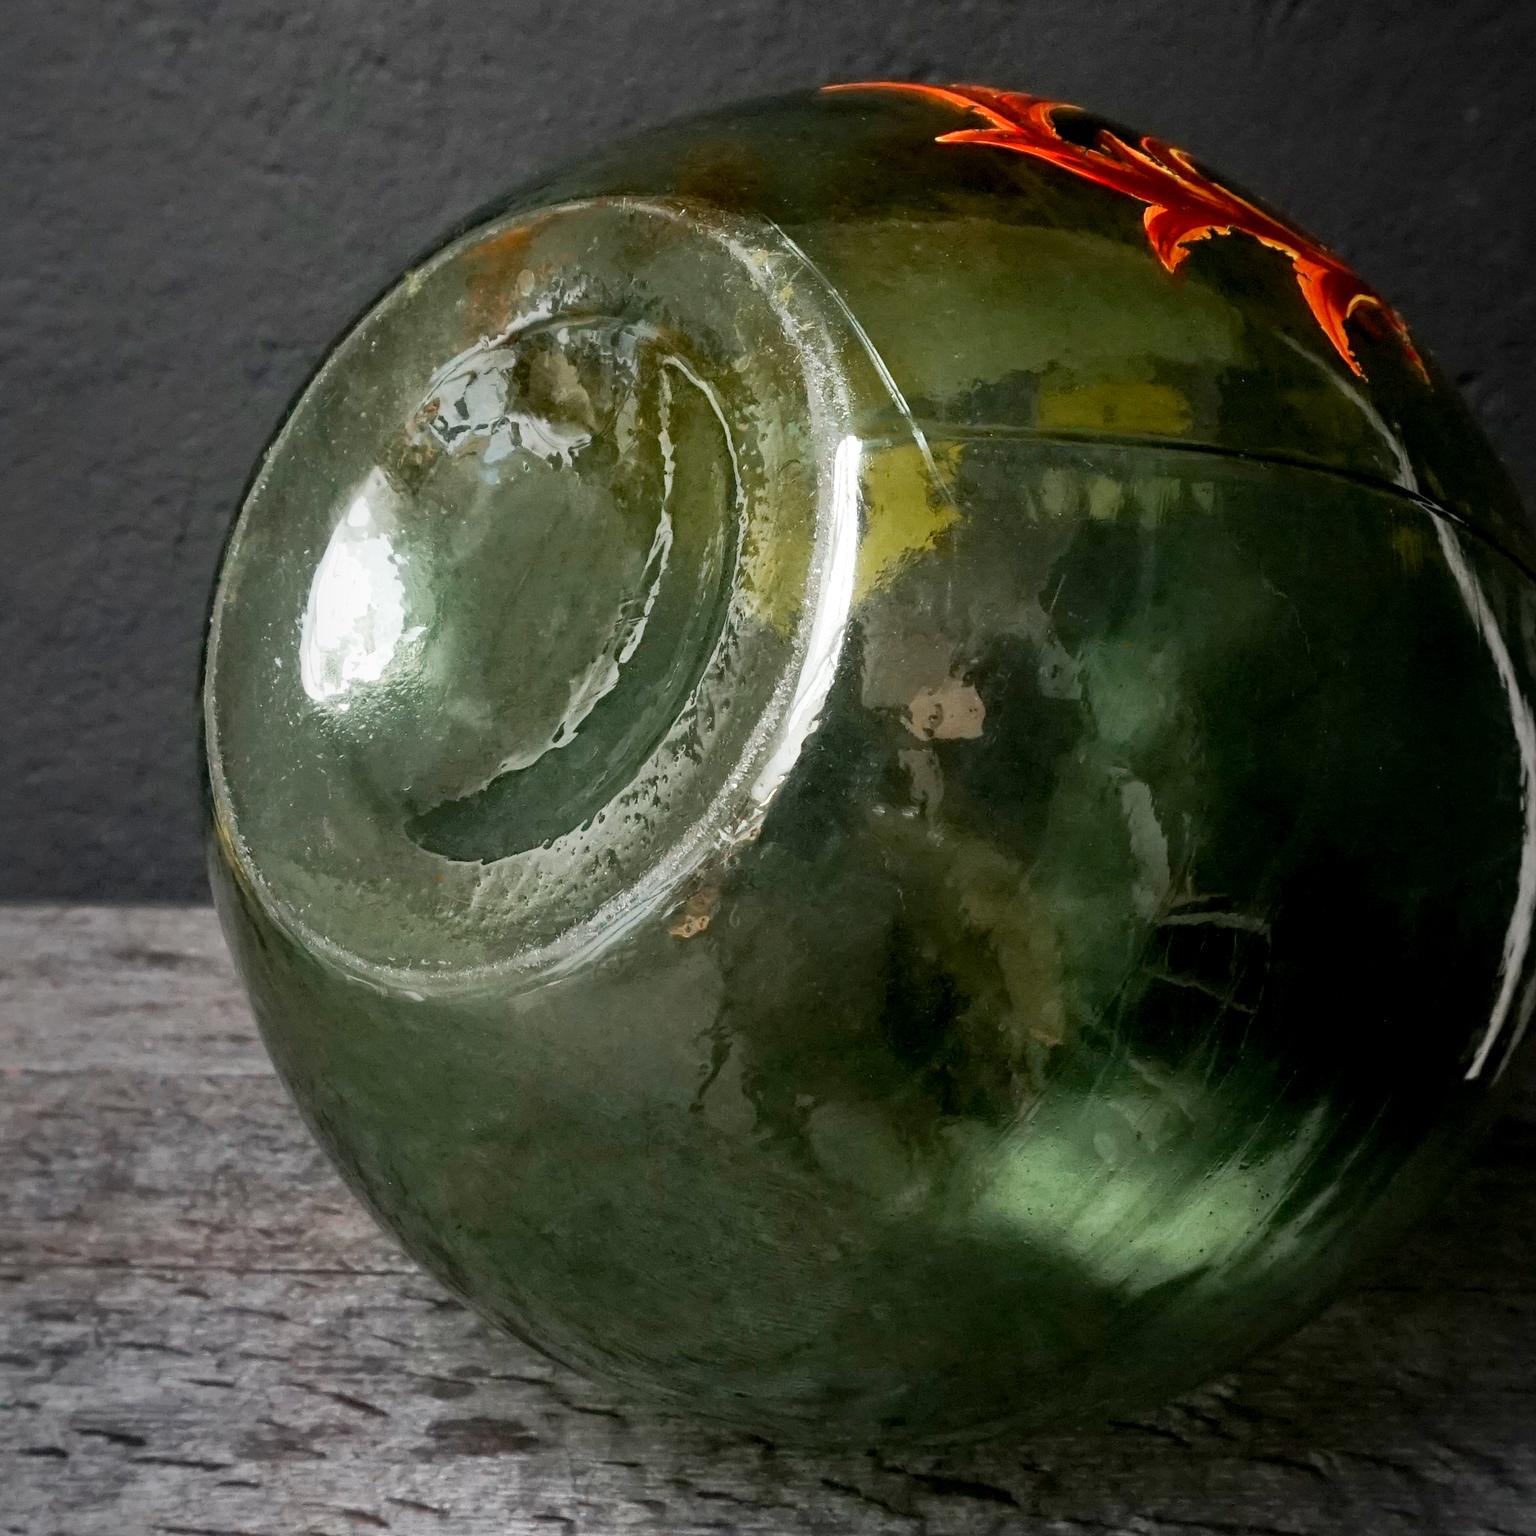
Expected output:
(533, 589)
(601, 472)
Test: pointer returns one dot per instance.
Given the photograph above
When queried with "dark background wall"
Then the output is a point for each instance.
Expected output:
(197, 194)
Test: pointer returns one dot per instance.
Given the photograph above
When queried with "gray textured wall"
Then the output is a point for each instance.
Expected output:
(199, 192)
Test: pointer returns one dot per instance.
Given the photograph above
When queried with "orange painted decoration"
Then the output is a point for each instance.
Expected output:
(1183, 203)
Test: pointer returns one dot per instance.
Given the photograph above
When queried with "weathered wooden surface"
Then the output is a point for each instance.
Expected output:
(200, 1333)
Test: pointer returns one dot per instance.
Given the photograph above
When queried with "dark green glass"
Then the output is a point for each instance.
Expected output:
(870, 764)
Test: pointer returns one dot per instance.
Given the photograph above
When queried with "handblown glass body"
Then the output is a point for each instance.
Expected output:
(870, 765)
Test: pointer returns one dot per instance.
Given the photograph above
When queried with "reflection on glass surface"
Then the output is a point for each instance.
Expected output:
(892, 817)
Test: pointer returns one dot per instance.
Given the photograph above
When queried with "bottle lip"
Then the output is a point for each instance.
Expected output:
(776, 364)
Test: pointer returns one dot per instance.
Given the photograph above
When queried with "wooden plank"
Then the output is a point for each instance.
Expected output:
(277, 1403)
(145, 989)
(111, 1167)
(200, 1332)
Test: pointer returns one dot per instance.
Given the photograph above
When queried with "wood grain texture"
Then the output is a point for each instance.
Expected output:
(201, 1333)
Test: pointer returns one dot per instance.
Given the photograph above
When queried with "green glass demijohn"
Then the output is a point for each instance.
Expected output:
(869, 761)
